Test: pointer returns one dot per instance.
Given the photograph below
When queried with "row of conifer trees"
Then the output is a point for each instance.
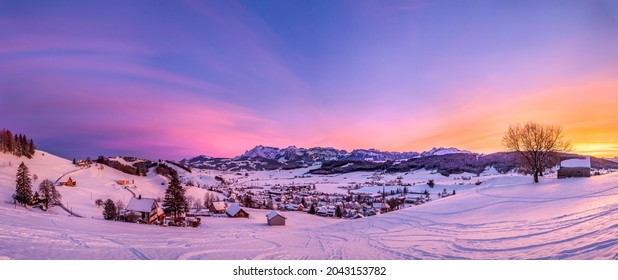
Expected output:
(16, 144)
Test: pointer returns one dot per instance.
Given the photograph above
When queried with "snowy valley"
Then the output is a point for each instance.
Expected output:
(505, 217)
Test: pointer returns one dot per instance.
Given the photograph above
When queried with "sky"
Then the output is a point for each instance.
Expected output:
(163, 79)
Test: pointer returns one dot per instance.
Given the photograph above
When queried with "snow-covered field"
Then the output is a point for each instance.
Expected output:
(506, 217)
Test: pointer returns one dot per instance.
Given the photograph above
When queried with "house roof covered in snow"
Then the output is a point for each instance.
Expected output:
(576, 162)
(218, 205)
(141, 205)
(273, 214)
(233, 209)
(378, 205)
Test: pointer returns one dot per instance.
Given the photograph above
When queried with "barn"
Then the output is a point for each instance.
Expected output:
(218, 207)
(275, 218)
(234, 211)
(574, 167)
(68, 183)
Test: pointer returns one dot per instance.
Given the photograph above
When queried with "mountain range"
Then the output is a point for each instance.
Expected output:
(268, 158)
(330, 160)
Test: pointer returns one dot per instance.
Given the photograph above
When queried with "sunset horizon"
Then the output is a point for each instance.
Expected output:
(175, 80)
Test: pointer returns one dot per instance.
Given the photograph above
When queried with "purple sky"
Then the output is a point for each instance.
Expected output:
(162, 79)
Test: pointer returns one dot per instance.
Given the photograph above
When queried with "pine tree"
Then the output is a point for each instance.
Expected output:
(175, 201)
(31, 148)
(312, 209)
(17, 145)
(5, 141)
(109, 210)
(23, 186)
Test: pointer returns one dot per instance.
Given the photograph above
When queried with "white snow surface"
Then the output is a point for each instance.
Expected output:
(576, 162)
(506, 217)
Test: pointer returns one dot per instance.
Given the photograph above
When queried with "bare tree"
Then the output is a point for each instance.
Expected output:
(190, 200)
(209, 198)
(536, 144)
(120, 206)
(198, 204)
(49, 193)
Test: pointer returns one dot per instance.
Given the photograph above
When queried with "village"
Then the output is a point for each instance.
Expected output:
(233, 194)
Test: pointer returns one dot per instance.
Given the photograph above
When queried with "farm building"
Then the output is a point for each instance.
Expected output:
(275, 218)
(147, 208)
(574, 167)
(234, 211)
(68, 183)
(123, 182)
(218, 207)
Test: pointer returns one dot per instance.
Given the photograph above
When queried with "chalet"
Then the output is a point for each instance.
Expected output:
(218, 207)
(234, 211)
(69, 183)
(275, 218)
(83, 164)
(123, 182)
(147, 208)
(574, 167)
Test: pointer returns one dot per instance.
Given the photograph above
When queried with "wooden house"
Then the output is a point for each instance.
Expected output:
(147, 208)
(123, 182)
(69, 183)
(218, 207)
(234, 211)
(574, 167)
(275, 218)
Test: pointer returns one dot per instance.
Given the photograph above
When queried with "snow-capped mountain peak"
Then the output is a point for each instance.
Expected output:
(261, 151)
(443, 151)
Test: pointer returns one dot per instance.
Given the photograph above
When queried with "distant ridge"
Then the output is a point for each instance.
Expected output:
(266, 158)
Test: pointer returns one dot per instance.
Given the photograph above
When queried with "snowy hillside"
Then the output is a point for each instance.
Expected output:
(95, 182)
(506, 217)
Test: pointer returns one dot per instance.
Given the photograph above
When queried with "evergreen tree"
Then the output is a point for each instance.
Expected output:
(312, 209)
(17, 145)
(6, 141)
(175, 201)
(99, 202)
(23, 186)
(109, 210)
(431, 183)
(49, 193)
(31, 148)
